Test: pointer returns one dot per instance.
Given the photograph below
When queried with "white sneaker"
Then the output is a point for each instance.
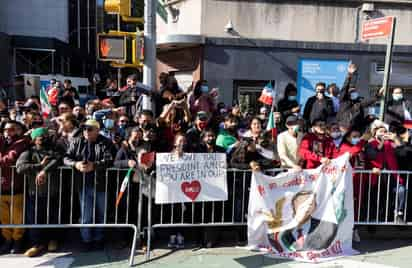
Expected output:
(356, 236)
(180, 241)
(172, 242)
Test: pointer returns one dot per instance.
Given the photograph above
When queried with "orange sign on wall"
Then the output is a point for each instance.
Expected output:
(377, 28)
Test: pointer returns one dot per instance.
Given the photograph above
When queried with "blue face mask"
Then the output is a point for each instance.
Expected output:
(292, 98)
(108, 123)
(354, 95)
(355, 141)
(204, 89)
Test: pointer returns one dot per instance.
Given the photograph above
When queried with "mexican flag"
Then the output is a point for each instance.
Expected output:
(45, 104)
(268, 95)
(124, 186)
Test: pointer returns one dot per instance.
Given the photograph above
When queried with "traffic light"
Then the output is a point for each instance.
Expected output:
(111, 47)
(122, 7)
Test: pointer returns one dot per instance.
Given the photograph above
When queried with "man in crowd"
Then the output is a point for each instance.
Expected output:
(287, 144)
(12, 144)
(316, 147)
(39, 164)
(318, 107)
(193, 134)
(90, 155)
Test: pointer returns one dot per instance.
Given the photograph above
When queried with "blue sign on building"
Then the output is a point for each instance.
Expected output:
(312, 71)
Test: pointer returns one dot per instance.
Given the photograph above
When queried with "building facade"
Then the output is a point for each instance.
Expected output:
(239, 46)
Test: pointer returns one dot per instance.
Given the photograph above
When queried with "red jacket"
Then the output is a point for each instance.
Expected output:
(354, 150)
(312, 149)
(382, 159)
(8, 157)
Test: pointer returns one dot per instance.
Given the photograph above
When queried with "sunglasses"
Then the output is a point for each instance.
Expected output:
(88, 129)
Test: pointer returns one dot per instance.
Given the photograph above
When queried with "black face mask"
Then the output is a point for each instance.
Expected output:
(145, 126)
(210, 142)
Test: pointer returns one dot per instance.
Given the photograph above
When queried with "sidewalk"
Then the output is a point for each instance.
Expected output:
(377, 253)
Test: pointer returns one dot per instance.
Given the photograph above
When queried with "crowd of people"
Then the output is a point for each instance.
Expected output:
(111, 131)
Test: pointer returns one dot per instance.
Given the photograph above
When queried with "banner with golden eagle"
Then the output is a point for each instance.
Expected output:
(303, 215)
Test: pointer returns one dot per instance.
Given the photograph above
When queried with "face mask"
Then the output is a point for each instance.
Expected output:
(292, 98)
(204, 89)
(397, 97)
(109, 123)
(79, 117)
(123, 125)
(354, 95)
(210, 142)
(336, 135)
(355, 141)
(296, 128)
(320, 94)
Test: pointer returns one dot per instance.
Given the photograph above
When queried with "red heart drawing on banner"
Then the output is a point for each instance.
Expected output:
(191, 189)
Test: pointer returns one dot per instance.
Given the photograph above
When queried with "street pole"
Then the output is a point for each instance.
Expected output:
(387, 75)
(149, 68)
(119, 70)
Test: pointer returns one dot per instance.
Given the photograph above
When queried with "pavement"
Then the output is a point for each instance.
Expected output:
(380, 252)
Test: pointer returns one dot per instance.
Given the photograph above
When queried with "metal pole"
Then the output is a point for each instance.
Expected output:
(88, 26)
(388, 64)
(119, 70)
(149, 68)
(78, 24)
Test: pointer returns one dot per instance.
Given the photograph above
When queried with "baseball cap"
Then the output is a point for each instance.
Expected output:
(292, 119)
(92, 123)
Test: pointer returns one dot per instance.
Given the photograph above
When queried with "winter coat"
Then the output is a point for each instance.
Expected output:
(318, 109)
(104, 156)
(28, 164)
(351, 112)
(8, 157)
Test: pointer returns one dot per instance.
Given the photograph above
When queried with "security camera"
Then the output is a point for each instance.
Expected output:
(229, 27)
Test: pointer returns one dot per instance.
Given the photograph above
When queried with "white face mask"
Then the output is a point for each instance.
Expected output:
(397, 97)
(354, 95)
(336, 135)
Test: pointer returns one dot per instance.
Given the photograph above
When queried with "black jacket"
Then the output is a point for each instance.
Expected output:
(104, 155)
(318, 109)
(395, 112)
(351, 112)
(193, 138)
(28, 164)
(404, 155)
(285, 107)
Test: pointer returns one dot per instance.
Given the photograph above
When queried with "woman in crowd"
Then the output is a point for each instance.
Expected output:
(380, 155)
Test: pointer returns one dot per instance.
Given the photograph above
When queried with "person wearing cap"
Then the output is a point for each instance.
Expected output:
(287, 144)
(39, 164)
(90, 155)
(193, 134)
(316, 147)
(380, 154)
(12, 144)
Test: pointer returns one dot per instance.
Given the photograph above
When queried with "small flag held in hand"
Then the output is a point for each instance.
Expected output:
(124, 186)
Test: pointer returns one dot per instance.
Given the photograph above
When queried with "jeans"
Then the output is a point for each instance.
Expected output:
(86, 214)
(401, 197)
(37, 235)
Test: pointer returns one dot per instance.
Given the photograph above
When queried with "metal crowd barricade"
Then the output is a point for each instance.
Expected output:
(63, 207)
(373, 203)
